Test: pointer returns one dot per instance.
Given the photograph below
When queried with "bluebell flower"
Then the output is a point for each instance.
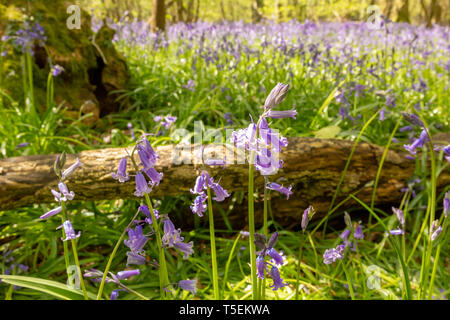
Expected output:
(395, 232)
(171, 235)
(277, 258)
(199, 206)
(282, 114)
(154, 176)
(188, 285)
(136, 239)
(307, 215)
(122, 174)
(260, 266)
(276, 96)
(277, 280)
(56, 70)
(69, 231)
(417, 143)
(135, 258)
(127, 273)
(51, 213)
(279, 188)
(66, 173)
(331, 255)
(142, 187)
(185, 248)
(358, 234)
(114, 295)
(400, 216)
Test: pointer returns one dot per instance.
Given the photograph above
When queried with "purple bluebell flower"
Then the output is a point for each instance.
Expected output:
(136, 240)
(282, 114)
(344, 235)
(69, 231)
(306, 217)
(382, 114)
(395, 232)
(188, 285)
(135, 258)
(127, 273)
(405, 128)
(66, 173)
(114, 295)
(154, 176)
(142, 187)
(185, 248)
(400, 216)
(435, 233)
(51, 213)
(358, 234)
(446, 203)
(277, 258)
(22, 145)
(331, 255)
(199, 206)
(272, 241)
(66, 195)
(413, 119)
(190, 85)
(276, 96)
(200, 185)
(220, 192)
(417, 143)
(146, 153)
(260, 266)
(96, 24)
(277, 280)
(279, 188)
(145, 210)
(171, 235)
(56, 70)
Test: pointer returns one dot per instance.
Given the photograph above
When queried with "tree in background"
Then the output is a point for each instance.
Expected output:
(158, 19)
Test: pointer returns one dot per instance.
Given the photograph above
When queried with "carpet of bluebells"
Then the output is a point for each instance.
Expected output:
(386, 84)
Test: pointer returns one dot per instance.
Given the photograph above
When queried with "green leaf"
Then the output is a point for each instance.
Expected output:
(327, 132)
(56, 289)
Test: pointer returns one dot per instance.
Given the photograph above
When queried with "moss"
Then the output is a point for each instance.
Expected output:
(72, 49)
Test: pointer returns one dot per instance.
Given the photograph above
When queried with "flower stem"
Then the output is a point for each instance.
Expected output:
(251, 226)
(300, 254)
(75, 254)
(163, 276)
(213, 246)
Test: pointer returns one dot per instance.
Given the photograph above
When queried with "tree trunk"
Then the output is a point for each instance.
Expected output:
(158, 16)
(403, 13)
(312, 166)
(257, 6)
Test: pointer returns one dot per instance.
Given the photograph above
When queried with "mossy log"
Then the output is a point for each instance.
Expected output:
(313, 166)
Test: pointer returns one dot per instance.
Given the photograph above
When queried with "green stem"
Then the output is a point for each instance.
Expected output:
(251, 226)
(111, 257)
(163, 275)
(133, 292)
(75, 254)
(266, 233)
(213, 246)
(300, 254)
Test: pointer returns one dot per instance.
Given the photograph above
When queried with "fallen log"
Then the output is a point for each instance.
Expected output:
(313, 166)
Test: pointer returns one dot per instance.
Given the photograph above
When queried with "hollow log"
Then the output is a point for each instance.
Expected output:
(312, 166)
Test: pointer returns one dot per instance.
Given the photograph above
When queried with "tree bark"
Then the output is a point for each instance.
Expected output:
(403, 13)
(312, 166)
(256, 10)
(158, 16)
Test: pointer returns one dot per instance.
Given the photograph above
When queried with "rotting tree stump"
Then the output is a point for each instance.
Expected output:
(313, 166)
